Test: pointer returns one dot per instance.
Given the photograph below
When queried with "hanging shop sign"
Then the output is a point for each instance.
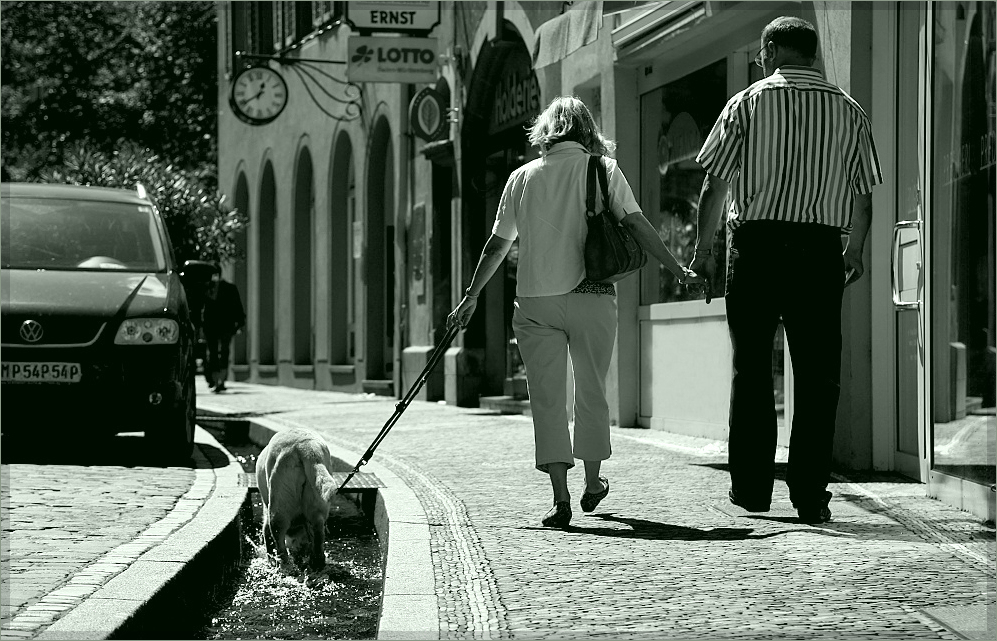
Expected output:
(517, 94)
(427, 114)
(388, 59)
(401, 17)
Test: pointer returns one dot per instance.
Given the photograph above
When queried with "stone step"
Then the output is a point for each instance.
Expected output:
(505, 405)
(380, 387)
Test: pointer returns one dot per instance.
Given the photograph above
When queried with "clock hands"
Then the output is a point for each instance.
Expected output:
(259, 93)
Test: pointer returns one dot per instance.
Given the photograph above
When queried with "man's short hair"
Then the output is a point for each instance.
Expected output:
(793, 33)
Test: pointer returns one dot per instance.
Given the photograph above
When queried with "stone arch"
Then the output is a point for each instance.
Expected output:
(240, 354)
(301, 280)
(267, 265)
(342, 216)
(379, 255)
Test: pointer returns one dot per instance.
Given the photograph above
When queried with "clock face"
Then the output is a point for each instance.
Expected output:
(259, 94)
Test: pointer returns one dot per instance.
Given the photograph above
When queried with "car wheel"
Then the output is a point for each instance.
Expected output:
(173, 437)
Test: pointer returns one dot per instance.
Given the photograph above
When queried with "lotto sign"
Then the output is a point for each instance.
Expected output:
(426, 114)
(393, 16)
(386, 59)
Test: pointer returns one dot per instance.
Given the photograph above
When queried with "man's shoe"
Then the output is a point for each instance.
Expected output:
(559, 515)
(590, 501)
(814, 516)
(749, 505)
(817, 512)
(220, 387)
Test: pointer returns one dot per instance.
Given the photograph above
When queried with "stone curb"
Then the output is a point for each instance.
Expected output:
(409, 607)
(179, 572)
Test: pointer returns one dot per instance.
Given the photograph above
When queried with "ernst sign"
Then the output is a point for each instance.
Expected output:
(387, 59)
(403, 17)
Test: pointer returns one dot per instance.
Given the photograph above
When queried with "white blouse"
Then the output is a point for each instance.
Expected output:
(544, 203)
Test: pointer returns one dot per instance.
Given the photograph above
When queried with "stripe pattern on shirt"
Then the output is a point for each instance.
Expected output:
(795, 148)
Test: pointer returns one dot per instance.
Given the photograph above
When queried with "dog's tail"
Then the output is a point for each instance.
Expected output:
(319, 478)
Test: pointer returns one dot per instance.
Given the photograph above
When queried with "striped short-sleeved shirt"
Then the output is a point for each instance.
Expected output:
(794, 148)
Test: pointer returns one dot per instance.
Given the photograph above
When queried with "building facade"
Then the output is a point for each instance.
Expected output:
(364, 236)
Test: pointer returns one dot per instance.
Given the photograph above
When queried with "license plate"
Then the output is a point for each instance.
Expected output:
(41, 372)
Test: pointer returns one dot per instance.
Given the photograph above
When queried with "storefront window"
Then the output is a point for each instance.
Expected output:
(962, 223)
(675, 120)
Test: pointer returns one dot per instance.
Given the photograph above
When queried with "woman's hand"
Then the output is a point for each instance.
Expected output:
(705, 265)
(462, 313)
(690, 277)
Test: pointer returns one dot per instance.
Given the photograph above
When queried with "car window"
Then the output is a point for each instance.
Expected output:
(62, 234)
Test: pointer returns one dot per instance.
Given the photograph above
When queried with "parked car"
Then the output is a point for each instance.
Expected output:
(95, 319)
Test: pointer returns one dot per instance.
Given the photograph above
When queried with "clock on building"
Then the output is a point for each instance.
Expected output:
(258, 95)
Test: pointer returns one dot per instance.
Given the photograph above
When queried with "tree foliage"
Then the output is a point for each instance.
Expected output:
(113, 93)
(106, 71)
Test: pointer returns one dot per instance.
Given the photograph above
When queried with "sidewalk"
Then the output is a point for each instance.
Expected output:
(99, 541)
(664, 556)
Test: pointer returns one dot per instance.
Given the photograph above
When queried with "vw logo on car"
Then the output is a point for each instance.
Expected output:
(31, 331)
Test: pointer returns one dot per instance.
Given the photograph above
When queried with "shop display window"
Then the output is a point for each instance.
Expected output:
(675, 120)
(962, 227)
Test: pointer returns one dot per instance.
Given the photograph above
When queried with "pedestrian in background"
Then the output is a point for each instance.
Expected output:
(557, 310)
(798, 154)
(222, 318)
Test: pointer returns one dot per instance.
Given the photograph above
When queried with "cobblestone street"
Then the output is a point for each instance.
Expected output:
(76, 517)
(665, 555)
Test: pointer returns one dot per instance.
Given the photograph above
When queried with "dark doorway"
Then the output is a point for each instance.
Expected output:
(379, 256)
(241, 352)
(342, 200)
(267, 266)
(301, 279)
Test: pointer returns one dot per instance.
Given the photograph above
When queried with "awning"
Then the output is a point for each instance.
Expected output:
(556, 39)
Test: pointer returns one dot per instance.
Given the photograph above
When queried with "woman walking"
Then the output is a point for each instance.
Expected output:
(557, 310)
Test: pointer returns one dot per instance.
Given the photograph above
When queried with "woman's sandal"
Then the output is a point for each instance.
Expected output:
(559, 515)
(590, 501)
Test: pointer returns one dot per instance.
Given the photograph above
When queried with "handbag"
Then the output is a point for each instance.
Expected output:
(611, 252)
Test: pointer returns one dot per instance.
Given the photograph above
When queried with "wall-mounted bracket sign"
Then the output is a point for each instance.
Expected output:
(426, 114)
(391, 59)
(395, 17)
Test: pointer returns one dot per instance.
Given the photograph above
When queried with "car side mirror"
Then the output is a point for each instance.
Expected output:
(196, 272)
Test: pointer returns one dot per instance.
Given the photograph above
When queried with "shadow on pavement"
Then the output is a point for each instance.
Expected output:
(856, 530)
(123, 450)
(852, 476)
(656, 531)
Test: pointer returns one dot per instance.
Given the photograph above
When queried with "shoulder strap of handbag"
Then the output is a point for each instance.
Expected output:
(590, 187)
(603, 182)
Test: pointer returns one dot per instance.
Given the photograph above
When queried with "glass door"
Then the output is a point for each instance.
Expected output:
(962, 239)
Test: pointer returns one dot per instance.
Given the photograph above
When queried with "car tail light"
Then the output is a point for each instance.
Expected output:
(148, 331)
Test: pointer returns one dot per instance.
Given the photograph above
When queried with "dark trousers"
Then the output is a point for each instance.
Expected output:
(795, 272)
(216, 361)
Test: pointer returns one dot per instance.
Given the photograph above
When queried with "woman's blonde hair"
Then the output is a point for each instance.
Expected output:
(567, 118)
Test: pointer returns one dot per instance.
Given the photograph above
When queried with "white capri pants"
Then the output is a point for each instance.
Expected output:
(547, 328)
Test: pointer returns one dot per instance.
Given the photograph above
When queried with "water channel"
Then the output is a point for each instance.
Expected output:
(340, 602)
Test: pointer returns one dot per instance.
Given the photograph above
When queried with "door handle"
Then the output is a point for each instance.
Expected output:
(894, 277)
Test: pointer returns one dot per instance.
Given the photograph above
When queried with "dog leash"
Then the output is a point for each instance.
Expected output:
(403, 404)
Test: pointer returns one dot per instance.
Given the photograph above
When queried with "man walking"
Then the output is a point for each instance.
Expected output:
(797, 153)
(223, 317)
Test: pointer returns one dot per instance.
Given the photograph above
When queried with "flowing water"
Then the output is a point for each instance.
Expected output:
(340, 602)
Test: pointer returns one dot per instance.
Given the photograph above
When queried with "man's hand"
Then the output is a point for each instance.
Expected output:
(853, 263)
(705, 265)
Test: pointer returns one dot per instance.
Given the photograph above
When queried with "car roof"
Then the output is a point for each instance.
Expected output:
(72, 192)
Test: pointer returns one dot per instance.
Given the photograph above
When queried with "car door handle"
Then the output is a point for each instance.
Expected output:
(894, 276)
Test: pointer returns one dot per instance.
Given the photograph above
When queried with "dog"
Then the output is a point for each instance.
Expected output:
(292, 473)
